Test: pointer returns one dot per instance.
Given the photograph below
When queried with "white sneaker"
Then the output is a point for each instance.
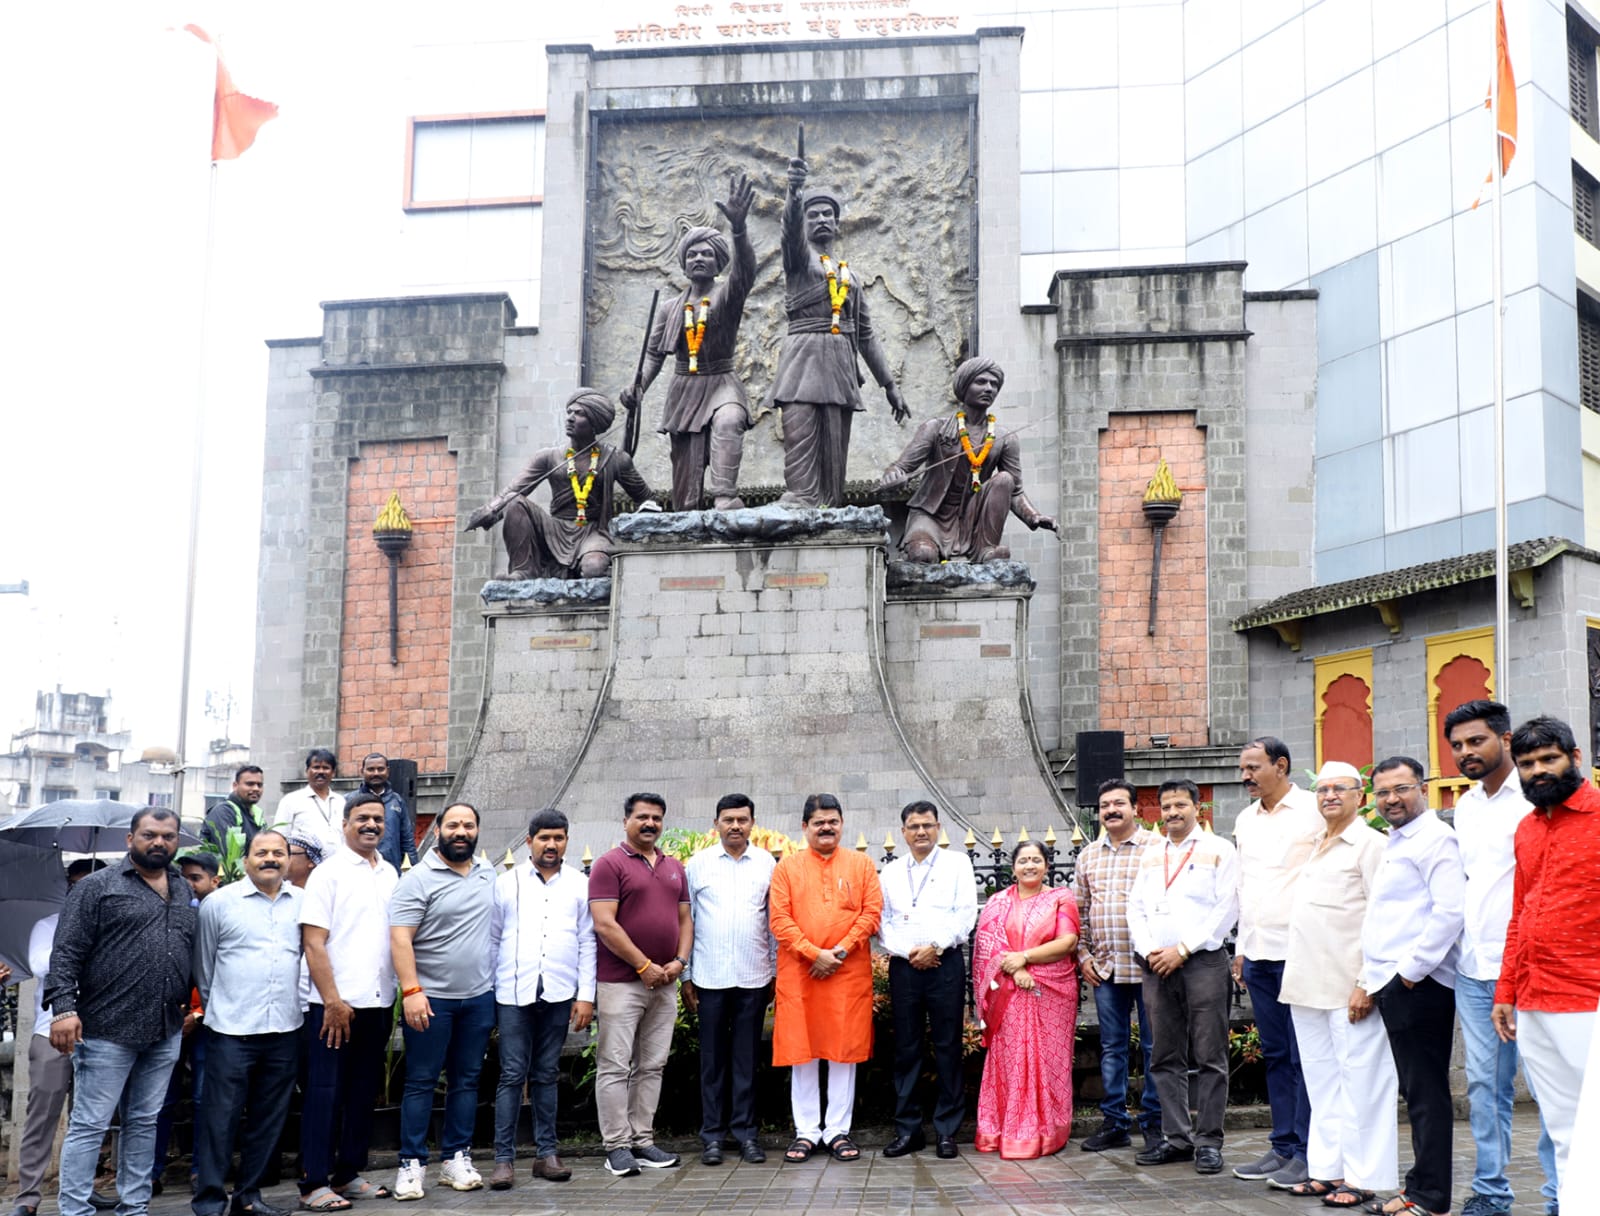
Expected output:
(408, 1182)
(457, 1172)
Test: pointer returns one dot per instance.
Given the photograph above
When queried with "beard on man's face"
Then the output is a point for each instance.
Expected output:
(457, 848)
(1552, 789)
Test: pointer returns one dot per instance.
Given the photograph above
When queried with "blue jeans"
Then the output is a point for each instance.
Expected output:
(1491, 1079)
(101, 1070)
(1114, 1005)
(454, 1043)
(1286, 1084)
(531, 1037)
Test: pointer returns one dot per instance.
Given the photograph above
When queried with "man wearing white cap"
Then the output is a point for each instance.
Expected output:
(1344, 1052)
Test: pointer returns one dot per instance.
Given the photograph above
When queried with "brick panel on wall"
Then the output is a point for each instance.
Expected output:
(1153, 685)
(400, 709)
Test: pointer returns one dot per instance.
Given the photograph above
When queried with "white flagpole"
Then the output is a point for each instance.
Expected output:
(1502, 578)
(197, 466)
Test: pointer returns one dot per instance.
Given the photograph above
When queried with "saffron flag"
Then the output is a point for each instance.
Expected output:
(235, 116)
(1506, 118)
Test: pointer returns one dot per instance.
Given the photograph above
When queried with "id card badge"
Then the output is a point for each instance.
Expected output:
(1161, 908)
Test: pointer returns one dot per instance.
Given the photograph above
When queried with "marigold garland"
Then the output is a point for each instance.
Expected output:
(581, 492)
(975, 459)
(694, 332)
(838, 287)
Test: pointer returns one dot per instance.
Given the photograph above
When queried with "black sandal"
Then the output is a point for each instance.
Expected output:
(1347, 1196)
(843, 1148)
(800, 1150)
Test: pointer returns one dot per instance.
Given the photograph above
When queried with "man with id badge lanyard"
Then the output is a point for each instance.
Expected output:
(1183, 903)
(930, 904)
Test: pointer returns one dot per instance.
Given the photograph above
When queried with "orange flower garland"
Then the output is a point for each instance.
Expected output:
(975, 459)
(838, 287)
(694, 333)
(581, 492)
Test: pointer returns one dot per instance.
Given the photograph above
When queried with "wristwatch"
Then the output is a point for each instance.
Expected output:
(840, 953)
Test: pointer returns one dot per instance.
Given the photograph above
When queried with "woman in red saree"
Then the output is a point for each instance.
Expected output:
(1025, 979)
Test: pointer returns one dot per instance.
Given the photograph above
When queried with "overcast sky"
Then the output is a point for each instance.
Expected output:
(105, 110)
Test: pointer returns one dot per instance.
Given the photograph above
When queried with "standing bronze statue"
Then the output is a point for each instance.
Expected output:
(974, 477)
(818, 384)
(707, 411)
(572, 539)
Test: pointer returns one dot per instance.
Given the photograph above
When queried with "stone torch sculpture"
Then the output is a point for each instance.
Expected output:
(1162, 498)
(392, 532)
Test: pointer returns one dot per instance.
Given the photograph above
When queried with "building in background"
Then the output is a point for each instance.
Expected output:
(70, 751)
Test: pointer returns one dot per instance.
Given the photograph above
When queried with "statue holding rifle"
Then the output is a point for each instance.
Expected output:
(818, 382)
(707, 411)
(572, 539)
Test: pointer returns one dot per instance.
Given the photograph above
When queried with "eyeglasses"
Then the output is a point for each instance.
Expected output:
(1397, 791)
(1322, 791)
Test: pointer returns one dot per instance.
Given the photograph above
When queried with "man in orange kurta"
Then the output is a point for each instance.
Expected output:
(824, 904)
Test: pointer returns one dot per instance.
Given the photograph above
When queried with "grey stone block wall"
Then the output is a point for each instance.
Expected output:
(773, 670)
(277, 737)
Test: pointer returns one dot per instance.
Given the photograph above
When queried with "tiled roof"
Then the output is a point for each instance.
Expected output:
(1397, 584)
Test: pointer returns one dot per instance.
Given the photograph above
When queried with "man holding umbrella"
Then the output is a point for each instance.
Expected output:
(118, 989)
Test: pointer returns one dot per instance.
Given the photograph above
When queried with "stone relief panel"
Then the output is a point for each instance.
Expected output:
(906, 180)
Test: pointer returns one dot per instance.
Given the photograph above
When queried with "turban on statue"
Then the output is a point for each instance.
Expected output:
(600, 412)
(705, 236)
(971, 370)
(819, 195)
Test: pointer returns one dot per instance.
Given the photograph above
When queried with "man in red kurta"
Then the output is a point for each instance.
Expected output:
(824, 904)
(1550, 973)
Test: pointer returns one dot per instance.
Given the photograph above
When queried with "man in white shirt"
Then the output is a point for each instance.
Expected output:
(1410, 942)
(1274, 836)
(314, 811)
(542, 938)
(247, 970)
(1486, 819)
(731, 971)
(1184, 901)
(930, 903)
(344, 926)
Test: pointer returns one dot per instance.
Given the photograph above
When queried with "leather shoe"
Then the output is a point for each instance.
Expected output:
(901, 1145)
(751, 1152)
(504, 1176)
(102, 1202)
(947, 1147)
(1208, 1161)
(1164, 1153)
(711, 1155)
(550, 1169)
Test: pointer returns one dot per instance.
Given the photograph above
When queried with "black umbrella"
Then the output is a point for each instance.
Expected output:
(33, 884)
(76, 825)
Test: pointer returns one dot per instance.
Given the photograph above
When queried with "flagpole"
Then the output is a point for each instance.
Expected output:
(1502, 578)
(196, 468)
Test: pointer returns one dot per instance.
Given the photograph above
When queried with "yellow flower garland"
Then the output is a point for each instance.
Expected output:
(694, 333)
(975, 459)
(581, 492)
(838, 287)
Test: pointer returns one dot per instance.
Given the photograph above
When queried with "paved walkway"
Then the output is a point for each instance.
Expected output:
(1070, 1183)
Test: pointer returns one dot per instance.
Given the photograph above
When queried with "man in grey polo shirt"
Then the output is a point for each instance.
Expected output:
(439, 935)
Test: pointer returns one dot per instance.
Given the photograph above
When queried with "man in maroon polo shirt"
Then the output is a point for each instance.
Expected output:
(639, 898)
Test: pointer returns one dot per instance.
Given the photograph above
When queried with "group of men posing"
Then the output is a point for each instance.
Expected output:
(1494, 920)
(1335, 921)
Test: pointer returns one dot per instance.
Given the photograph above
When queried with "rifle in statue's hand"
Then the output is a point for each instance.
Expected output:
(635, 394)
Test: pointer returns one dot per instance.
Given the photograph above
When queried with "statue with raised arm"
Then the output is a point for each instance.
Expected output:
(818, 382)
(572, 538)
(973, 478)
(707, 411)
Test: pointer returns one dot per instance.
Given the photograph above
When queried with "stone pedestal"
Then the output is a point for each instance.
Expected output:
(774, 669)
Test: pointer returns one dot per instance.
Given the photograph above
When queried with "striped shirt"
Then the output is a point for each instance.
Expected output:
(733, 945)
(1103, 880)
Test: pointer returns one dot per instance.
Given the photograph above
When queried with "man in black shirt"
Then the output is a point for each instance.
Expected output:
(242, 810)
(118, 989)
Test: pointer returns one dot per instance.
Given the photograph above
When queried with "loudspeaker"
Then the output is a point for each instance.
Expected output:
(1099, 759)
(403, 777)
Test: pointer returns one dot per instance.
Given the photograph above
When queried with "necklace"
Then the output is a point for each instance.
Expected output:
(694, 332)
(581, 492)
(838, 287)
(975, 459)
